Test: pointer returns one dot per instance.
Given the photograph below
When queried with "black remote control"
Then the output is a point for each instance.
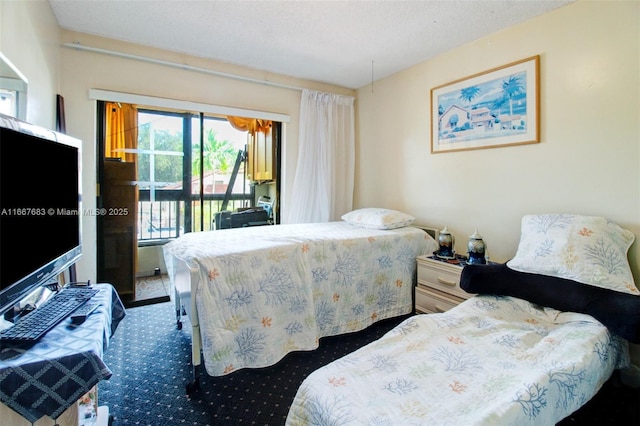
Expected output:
(81, 314)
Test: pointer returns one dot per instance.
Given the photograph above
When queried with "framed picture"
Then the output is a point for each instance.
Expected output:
(498, 107)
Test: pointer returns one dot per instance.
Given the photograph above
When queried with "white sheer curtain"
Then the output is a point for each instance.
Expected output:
(324, 178)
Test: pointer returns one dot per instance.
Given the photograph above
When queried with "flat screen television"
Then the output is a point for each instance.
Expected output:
(40, 208)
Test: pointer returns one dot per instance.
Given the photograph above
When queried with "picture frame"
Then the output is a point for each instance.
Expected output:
(495, 108)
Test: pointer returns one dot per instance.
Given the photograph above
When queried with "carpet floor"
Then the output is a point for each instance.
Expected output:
(151, 364)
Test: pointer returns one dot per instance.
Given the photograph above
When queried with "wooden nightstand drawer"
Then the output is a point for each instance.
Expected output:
(433, 301)
(441, 276)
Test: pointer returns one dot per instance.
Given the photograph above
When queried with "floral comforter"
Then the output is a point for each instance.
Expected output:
(491, 360)
(266, 291)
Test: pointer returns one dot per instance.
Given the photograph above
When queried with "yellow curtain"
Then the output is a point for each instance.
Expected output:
(122, 131)
(250, 125)
(122, 134)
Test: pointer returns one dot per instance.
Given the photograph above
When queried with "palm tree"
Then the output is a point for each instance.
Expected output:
(217, 155)
(512, 87)
(468, 93)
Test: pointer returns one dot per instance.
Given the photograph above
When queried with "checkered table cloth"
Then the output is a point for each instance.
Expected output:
(50, 376)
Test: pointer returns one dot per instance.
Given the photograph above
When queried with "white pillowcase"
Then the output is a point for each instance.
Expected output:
(588, 249)
(378, 218)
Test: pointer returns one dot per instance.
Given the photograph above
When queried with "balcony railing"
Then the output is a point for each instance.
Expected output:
(161, 220)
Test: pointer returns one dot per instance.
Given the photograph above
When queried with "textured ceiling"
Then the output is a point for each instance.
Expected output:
(337, 42)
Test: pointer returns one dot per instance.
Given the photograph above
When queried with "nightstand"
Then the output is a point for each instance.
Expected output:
(438, 288)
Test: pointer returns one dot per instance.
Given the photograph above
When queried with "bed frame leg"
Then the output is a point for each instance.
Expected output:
(194, 385)
(196, 359)
(178, 319)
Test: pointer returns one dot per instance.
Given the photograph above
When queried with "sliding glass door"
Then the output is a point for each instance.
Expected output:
(188, 165)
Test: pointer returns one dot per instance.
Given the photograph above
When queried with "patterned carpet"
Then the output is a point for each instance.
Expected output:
(151, 364)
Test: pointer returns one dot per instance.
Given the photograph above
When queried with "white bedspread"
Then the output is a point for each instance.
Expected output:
(266, 291)
(489, 361)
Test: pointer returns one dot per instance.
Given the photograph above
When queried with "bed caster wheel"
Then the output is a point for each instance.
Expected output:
(193, 387)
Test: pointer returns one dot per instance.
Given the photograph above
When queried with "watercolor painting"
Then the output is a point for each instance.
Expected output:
(499, 107)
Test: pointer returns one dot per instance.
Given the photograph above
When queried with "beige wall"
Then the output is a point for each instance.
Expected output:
(588, 160)
(29, 38)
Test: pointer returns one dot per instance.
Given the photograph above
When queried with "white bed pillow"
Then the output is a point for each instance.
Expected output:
(588, 249)
(378, 218)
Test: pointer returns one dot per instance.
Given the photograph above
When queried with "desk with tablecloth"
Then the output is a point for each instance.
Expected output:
(50, 376)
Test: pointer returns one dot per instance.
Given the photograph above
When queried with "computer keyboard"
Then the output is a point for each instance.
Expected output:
(37, 323)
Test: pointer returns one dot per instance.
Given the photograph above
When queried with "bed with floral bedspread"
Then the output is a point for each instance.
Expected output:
(543, 333)
(490, 360)
(255, 294)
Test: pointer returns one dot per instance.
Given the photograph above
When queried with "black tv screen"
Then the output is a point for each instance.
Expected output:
(40, 207)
